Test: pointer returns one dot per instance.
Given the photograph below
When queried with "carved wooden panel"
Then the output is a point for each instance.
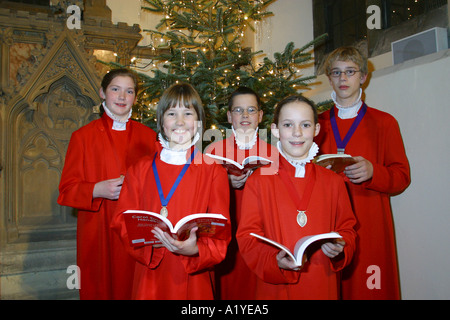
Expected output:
(41, 136)
(55, 95)
(49, 81)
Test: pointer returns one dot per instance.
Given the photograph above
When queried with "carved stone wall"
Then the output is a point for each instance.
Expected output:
(49, 87)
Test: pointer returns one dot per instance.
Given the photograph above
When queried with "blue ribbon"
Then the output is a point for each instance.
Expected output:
(341, 144)
(165, 201)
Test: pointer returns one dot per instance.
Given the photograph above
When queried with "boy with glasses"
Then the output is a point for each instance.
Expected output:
(381, 170)
(244, 114)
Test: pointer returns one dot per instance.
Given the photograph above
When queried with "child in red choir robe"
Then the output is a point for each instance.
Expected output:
(176, 269)
(373, 138)
(235, 281)
(273, 202)
(96, 162)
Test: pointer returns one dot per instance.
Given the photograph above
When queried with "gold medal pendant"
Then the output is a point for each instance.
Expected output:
(164, 212)
(302, 218)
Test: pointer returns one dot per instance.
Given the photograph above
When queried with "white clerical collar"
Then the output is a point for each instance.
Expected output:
(299, 165)
(245, 146)
(349, 112)
(118, 124)
(171, 156)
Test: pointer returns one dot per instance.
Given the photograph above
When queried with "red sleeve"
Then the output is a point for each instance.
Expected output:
(75, 190)
(345, 224)
(212, 251)
(393, 175)
(130, 199)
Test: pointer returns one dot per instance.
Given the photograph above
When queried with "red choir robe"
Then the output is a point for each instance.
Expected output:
(378, 140)
(235, 281)
(270, 212)
(161, 274)
(106, 270)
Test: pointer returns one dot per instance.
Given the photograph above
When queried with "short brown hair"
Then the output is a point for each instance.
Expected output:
(243, 90)
(347, 54)
(184, 94)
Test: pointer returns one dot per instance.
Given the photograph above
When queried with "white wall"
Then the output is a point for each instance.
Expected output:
(122, 11)
(130, 12)
(417, 94)
(292, 21)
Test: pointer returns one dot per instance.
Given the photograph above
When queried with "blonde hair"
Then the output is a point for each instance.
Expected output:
(347, 54)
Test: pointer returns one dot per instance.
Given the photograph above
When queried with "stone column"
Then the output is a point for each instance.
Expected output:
(97, 10)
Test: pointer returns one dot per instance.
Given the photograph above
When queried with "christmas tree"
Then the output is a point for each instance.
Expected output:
(201, 42)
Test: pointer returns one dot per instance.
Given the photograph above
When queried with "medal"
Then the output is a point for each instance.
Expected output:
(165, 200)
(164, 212)
(302, 218)
(300, 202)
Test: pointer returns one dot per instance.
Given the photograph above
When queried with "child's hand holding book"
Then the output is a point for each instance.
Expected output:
(187, 247)
(333, 249)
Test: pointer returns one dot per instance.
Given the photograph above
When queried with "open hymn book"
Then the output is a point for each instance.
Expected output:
(238, 169)
(338, 162)
(300, 247)
(140, 223)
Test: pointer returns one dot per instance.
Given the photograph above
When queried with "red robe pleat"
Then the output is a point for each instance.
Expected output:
(377, 139)
(160, 274)
(106, 270)
(235, 281)
(269, 211)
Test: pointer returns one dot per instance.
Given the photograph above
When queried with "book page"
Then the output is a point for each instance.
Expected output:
(276, 244)
(195, 216)
(304, 242)
(301, 244)
(225, 159)
(256, 159)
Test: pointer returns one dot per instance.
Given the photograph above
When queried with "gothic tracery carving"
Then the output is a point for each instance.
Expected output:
(50, 91)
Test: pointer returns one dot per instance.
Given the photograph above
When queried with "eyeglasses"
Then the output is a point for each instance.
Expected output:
(240, 111)
(348, 73)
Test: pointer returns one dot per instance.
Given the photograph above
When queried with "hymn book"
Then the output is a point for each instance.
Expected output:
(239, 169)
(298, 255)
(140, 223)
(338, 162)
